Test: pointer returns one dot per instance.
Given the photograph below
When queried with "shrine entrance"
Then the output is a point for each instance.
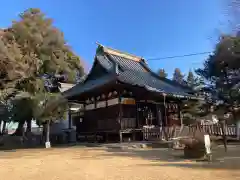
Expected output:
(149, 114)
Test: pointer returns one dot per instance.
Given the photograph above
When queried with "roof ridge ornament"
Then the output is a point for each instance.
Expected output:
(99, 48)
(118, 53)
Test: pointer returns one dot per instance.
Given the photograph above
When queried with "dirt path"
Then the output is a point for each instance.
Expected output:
(92, 164)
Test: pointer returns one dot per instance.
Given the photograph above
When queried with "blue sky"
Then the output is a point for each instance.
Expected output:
(147, 28)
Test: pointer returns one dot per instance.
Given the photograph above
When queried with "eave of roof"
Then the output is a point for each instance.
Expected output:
(150, 83)
(89, 85)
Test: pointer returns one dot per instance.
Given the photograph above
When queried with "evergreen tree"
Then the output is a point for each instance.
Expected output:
(221, 71)
(34, 57)
(178, 76)
(162, 73)
(191, 79)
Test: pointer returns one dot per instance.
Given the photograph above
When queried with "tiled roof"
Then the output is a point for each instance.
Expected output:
(89, 85)
(138, 73)
(127, 63)
(105, 62)
(131, 70)
(148, 81)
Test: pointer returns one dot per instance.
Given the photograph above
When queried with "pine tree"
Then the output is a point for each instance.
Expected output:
(162, 73)
(178, 76)
(30, 49)
(191, 79)
(221, 72)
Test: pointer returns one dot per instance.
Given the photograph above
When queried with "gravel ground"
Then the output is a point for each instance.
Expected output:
(82, 163)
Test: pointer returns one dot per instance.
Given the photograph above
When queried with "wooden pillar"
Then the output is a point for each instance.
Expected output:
(180, 114)
(137, 115)
(165, 110)
(120, 136)
(106, 101)
(95, 103)
(69, 117)
(146, 112)
(106, 136)
(165, 127)
(134, 135)
(157, 115)
(84, 106)
(120, 117)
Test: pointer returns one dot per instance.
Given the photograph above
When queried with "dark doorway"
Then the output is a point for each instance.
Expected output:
(149, 114)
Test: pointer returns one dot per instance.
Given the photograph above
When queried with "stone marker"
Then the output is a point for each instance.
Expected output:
(48, 144)
(207, 144)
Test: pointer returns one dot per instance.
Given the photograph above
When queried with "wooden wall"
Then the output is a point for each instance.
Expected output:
(100, 119)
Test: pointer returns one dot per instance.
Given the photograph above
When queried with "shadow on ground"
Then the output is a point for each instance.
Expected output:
(229, 160)
(167, 157)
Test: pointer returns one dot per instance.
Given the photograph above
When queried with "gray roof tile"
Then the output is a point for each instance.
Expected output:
(148, 81)
(131, 72)
(105, 62)
(127, 63)
(91, 84)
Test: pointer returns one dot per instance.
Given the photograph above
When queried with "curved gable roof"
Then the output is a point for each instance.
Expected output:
(128, 69)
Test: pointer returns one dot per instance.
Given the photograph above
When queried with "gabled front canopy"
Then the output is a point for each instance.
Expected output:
(128, 69)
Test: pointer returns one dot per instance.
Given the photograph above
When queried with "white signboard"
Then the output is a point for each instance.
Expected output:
(111, 102)
(101, 104)
(89, 106)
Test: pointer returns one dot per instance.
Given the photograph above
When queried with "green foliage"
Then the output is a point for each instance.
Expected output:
(221, 70)
(22, 109)
(10, 69)
(190, 79)
(195, 82)
(162, 73)
(50, 107)
(30, 48)
(43, 45)
(5, 104)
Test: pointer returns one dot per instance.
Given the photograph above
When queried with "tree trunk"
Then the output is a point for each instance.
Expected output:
(19, 130)
(4, 127)
(48, 131)
(43, 138)
(224, 137)
(47, 143)
(29, 126)
(1, 127)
